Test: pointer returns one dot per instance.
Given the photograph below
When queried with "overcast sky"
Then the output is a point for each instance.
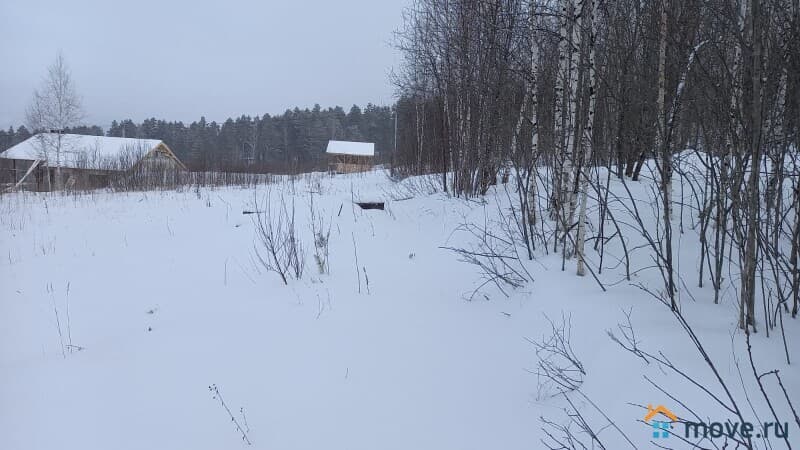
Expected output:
(178, 60)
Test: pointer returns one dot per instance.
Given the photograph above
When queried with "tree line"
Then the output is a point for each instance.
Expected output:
(655, 117)
(288, 142)
(551, 90)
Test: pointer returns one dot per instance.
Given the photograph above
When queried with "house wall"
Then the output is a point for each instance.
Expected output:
(84, 179)
(349, 163)
(12, 170)
(158, 160)
(156, 170)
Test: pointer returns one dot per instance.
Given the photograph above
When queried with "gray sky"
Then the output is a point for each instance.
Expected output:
(178, 60)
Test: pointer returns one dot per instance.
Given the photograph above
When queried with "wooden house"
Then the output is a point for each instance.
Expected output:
(350, 157)
(85, 162)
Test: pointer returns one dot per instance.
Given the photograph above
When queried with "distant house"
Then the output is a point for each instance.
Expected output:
(349, 157)
(85, 161)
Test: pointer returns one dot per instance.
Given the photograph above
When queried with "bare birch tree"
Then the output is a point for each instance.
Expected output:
(55, 106)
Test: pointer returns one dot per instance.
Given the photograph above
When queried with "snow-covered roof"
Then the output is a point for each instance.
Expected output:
(351, 148)
(82, 152)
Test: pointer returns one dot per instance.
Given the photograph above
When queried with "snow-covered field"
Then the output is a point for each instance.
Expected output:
(156, 296)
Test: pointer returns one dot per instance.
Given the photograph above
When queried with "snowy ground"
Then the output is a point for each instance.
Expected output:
(161, 292)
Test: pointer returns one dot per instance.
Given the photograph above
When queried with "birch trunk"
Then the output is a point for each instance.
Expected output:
(587, 155)
(560, 119)
(748, 286)
(665, 157)
(533, 202)
(729, 158)
(572, 144)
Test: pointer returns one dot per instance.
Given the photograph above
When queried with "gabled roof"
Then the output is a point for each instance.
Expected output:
(83, 152)
(351, 148)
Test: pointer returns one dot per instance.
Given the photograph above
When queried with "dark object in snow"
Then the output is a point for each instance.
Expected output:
(370, 205)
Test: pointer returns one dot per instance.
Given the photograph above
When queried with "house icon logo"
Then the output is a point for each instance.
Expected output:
(660, 427)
